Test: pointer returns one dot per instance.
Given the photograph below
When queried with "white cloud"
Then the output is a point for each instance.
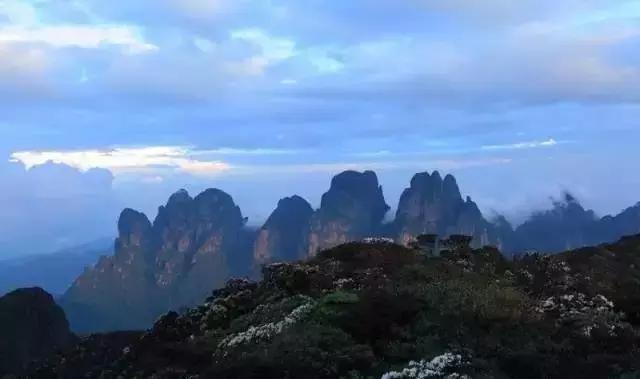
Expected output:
(203, 44)
(270, 50)
(522, 145)
(82, 36)
(150, 163)
(123, 160)
(17, 11)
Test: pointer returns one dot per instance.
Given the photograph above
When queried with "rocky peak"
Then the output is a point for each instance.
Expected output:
(194, 246)
(134, 230)
(353, 208)
(430, 186)
(355, 195)
(172, 224)
(432, 205)
(199, 239)
(185, 223)
(180, 196)
(283, 235)
(217, 208)
(450, 190)
(289, 206)
(356, 183)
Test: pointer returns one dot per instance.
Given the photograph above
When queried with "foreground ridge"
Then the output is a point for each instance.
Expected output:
(378, 309)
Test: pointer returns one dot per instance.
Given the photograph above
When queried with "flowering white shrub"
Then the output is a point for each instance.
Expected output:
(424, 369)
(574, 304)
(374, 240)
(343, 283)
(269, 330)
(584, 313)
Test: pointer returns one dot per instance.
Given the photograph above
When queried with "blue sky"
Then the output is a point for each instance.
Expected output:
(521, 100)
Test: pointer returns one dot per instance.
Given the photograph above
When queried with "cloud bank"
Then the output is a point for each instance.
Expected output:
(279, 95)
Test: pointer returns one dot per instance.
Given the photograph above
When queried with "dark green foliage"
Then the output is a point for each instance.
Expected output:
(363, 309)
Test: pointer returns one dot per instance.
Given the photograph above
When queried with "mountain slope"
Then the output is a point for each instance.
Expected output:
(32, 327)
(382, 310)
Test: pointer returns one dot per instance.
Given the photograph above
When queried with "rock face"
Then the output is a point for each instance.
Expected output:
(432, 205)
(195, 244)
(283, 236)
(353, 208)
(197, 240)
(32, 326)
(191, 248)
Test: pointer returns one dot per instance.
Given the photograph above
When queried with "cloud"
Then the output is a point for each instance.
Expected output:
(53, 206)
(152, 162)
(17, 11)
(522, 145)
(23, 70)
(126, 160)
(270, 50)
(333, 53)
(82, 36)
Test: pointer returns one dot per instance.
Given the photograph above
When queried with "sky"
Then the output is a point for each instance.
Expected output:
(107, 104)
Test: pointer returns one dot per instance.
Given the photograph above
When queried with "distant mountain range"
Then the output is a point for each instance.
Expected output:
(195, 244)
(568, 226)
(54, 272)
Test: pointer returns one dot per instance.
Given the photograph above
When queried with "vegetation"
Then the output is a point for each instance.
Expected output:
(379, 310)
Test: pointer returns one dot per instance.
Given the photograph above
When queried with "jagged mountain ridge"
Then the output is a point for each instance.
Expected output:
(567, 225)
(432, 205)
(195, 244)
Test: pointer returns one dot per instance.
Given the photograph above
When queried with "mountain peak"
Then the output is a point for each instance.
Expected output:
(353, 208)
(284, 234)
(180, 196)
(435, 206)
(134, 229)
(355, 182)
